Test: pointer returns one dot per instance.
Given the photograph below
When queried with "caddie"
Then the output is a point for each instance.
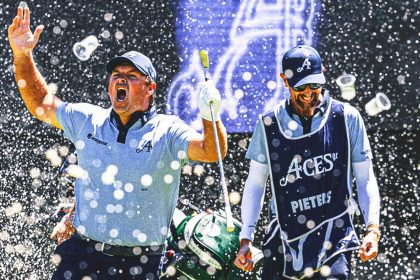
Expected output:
(310, 146)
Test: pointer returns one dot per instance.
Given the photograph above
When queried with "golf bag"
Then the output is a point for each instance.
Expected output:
(200, 248)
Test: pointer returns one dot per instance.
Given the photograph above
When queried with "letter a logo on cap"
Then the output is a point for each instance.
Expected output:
(306, 63)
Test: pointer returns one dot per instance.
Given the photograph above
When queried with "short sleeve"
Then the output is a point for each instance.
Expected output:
(73, 116)
(257, 147)
(359, 143)
(180, 136)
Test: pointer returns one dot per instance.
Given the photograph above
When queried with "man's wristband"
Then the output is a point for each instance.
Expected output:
(375, 229)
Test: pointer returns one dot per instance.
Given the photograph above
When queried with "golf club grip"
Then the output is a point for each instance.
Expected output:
(204, 56)
(228, 211)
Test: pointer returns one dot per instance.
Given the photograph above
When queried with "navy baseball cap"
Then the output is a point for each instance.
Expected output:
(139, 60)
(302, 65)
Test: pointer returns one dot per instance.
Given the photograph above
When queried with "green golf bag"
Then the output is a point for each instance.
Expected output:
(202, 249)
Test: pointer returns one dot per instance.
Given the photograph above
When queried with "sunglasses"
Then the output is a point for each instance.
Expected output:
(303, 87)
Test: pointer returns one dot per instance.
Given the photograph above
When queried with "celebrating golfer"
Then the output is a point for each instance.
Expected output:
(130, 159)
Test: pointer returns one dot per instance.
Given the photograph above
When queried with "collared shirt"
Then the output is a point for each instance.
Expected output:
(127, 189)
(144, 117)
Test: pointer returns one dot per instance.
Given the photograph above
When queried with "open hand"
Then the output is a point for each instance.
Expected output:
(21, 39)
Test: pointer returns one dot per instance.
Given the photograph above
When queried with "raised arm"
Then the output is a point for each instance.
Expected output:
(203, 147)
(31, 84)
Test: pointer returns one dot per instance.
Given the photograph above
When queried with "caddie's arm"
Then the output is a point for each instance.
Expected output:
(369, 200)
(31, 84)
(203, 147)
(252, 203)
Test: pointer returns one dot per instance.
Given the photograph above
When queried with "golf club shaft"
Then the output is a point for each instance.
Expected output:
(229, 220)
(228, 211)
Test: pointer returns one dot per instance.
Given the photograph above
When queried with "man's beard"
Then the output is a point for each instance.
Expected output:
(304, 109)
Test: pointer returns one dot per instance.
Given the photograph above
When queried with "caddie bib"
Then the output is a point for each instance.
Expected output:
(309, 177)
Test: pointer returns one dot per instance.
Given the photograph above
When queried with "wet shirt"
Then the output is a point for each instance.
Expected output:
(127, 178)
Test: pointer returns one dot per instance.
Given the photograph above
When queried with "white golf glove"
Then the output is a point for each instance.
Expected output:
(209, 93)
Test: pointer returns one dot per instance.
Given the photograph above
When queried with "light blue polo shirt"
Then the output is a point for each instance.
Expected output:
(125, 193)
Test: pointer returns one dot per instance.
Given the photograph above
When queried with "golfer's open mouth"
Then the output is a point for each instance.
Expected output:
(121, 94)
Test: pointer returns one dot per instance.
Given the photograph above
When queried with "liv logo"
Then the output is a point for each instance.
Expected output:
(246, 41)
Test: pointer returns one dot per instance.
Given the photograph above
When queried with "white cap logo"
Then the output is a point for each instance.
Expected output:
(306, 63)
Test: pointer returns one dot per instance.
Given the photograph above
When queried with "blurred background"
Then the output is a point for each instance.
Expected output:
(377, 42)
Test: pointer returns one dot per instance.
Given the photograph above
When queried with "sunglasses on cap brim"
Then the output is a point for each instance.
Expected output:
(303, 87)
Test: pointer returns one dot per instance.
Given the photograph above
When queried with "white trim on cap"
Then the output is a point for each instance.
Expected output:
(314, 78)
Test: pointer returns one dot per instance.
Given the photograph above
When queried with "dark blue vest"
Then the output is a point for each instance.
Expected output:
(309, 179)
